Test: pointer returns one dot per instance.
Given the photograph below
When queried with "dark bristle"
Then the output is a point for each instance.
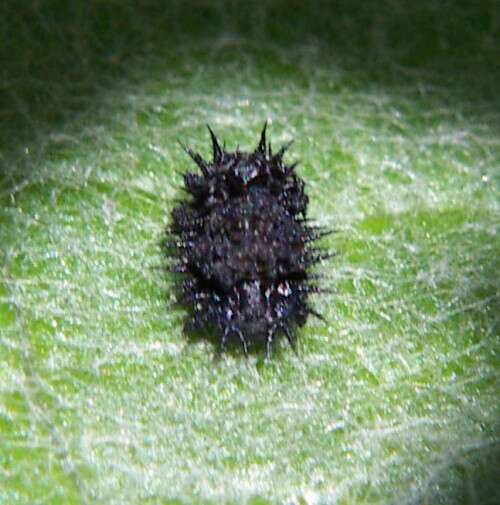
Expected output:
(316, 314)
(281, 152)
(244, 246)
(202, 164)
(262, 143)
(217, 150)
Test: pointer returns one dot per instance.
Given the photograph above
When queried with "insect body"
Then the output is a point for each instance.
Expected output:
(243, 243)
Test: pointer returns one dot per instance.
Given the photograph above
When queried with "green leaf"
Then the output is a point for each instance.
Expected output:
(395, 399)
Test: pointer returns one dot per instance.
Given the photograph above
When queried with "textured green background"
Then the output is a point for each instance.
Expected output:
(395, 110)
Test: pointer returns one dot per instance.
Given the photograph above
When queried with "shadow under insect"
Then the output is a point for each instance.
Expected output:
(244, 246)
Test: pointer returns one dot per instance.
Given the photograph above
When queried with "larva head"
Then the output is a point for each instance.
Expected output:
(229, 174)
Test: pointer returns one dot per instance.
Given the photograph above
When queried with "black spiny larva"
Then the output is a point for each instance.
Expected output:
(243, 242)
